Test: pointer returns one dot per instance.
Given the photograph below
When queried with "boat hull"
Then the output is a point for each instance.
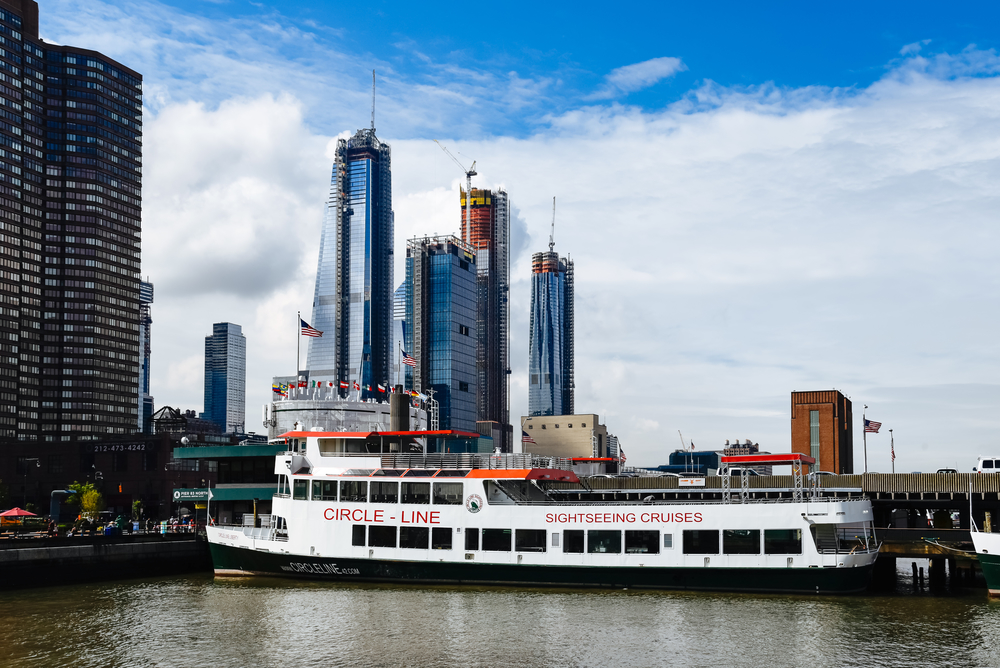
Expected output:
(238, 561)
(988, 552)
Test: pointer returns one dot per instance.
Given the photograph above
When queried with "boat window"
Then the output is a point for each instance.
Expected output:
(359, 472)
(354, 491)
(783, 541)
(441, 538)
(472, 539)
(573, 541)
(529, 540)
(448, 493)
(642, 542)
(555, 539)
(701, 541)
(668, 541)
(381, 536)
(496, 540)
(414, 537)
(452, 473)
(416, 492)
(384, 492)
(324, 490)
(419, 473)
(300, 489)
(392, 473)
(358, 535)
(741, 541)
(603, 541)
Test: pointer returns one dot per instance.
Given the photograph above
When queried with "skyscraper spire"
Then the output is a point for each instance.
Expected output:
(552, 234)
(373, 101)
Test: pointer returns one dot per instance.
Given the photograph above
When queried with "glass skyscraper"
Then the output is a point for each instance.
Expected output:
(70, 179)
(550, 342)
(145, 400)
(441, 326)
(226, 377)
(352, 303)
(489, 236)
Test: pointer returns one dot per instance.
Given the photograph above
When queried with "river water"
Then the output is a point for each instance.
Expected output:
(197, 620)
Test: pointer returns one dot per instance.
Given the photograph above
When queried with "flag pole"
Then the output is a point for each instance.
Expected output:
(864, 435)
(298, 338)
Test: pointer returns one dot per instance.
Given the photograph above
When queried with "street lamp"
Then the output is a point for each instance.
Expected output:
(38, 464)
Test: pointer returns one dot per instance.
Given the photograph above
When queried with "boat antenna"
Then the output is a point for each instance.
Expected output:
(373, 101)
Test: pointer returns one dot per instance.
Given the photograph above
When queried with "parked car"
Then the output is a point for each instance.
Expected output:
(738, 470)
(948, 470)
(825, 473)
(987, 465)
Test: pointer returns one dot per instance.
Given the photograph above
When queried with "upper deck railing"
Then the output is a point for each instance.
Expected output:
(460, 460)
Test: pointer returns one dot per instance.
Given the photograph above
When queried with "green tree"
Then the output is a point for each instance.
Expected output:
(137, 510)
(91, 503)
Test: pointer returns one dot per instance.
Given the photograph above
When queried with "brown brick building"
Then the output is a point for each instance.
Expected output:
(822, 427)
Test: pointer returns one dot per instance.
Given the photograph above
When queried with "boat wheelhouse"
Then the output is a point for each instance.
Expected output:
(352, 508)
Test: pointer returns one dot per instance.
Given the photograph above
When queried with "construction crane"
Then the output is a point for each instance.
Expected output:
(552, 234)
(469, 173)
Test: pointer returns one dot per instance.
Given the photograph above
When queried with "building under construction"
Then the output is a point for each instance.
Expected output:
(550, 342)
(488, 233)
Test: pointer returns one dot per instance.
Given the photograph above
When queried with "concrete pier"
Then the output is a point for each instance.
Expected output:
(52, 561)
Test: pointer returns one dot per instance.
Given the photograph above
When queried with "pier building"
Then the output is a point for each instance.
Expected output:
(823, 428)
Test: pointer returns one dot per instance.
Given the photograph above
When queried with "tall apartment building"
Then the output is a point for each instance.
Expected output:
(70, 178)
(823, 428)
(145, 400)
(489, 235)
(352, 303)
(397, 368)
(550, 336)
(441, 283)
(226, 377)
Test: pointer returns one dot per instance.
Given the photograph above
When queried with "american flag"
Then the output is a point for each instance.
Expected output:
(892, 449)
(872, 427)
(525, 438)
(621, 456)
(407, 360)
(309, 330)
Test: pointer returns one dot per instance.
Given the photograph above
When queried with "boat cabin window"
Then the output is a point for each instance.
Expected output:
(300, 489)
(384, 492)
(414, 537)
(642, 542)
(529, 540)
(701, 541)
(392, 473)
(496, 540)
(783, 541)
(324, 490)
(472, 539)
(573, 541)
(419, 473)
(668, 541)
(441, 538)
(741, 541)
(447, 493)
(604, 542)
(416, 492)
(354, 491)
(381, 536)
(452, 473)
(358, 535)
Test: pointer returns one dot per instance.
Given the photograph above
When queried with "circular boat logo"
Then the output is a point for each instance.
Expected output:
(474, 503)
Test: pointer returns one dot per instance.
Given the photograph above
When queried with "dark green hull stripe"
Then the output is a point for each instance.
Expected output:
(785, 580)
(990, 563)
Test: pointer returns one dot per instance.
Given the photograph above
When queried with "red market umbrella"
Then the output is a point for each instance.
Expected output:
(17, 512)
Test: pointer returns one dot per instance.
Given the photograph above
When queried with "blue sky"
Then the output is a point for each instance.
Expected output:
(757, 201)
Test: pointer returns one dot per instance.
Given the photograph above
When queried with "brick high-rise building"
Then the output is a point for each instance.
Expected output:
(489, 236)
(70, 178)
(823, 428)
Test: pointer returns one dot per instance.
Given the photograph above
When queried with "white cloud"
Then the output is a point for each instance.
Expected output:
(735, 246)
(637, 76)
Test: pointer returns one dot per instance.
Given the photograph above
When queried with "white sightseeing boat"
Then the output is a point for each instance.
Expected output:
(341, 514)
(987, 547)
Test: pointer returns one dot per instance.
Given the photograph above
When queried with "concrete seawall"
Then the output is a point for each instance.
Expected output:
(44, 562)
